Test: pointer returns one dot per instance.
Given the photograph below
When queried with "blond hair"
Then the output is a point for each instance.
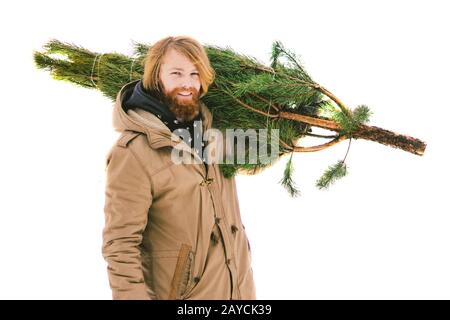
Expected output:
(188, 46)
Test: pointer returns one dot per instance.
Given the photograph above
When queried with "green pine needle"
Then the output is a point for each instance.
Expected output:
(345, 121)
(287, 181)
(349, 123)
(276, 51)
(361, 114)
(332, 174)
(327, 109)
(292, 66)
(255, 84)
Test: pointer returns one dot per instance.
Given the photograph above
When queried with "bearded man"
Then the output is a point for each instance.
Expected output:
(172, 230)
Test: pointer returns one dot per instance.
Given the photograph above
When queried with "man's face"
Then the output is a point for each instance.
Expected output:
(181, 84)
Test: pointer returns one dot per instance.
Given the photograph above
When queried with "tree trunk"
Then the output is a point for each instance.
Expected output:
(390, 139)
(366, 132)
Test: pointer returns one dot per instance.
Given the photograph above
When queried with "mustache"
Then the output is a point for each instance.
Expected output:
(192, 90)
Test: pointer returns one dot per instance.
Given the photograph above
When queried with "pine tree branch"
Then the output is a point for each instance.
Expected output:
(314, 148)
(250, 107)
(365, 132)
(321, 123)
(287, 181)
(348, 149)
(270, 103)
(320, 135)
(341, 105)
(372, 133)
(332, 174)
(274, 73)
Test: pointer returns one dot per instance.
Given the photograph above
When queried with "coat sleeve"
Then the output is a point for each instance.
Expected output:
(127, 201)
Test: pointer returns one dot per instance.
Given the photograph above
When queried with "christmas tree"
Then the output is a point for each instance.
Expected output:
(246, 94)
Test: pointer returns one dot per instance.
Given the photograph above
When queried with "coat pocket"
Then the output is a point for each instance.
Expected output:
(182, 275)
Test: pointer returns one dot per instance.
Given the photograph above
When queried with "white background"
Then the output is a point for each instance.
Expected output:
(380, 233)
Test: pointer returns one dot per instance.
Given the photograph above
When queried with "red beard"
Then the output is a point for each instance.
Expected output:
(184, 109)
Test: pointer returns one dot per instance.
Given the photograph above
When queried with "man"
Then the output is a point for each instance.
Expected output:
(172, 231)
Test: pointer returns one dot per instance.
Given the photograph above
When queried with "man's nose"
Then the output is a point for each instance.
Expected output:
(186, 83)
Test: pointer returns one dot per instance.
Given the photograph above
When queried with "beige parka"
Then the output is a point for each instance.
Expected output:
(172, 231)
